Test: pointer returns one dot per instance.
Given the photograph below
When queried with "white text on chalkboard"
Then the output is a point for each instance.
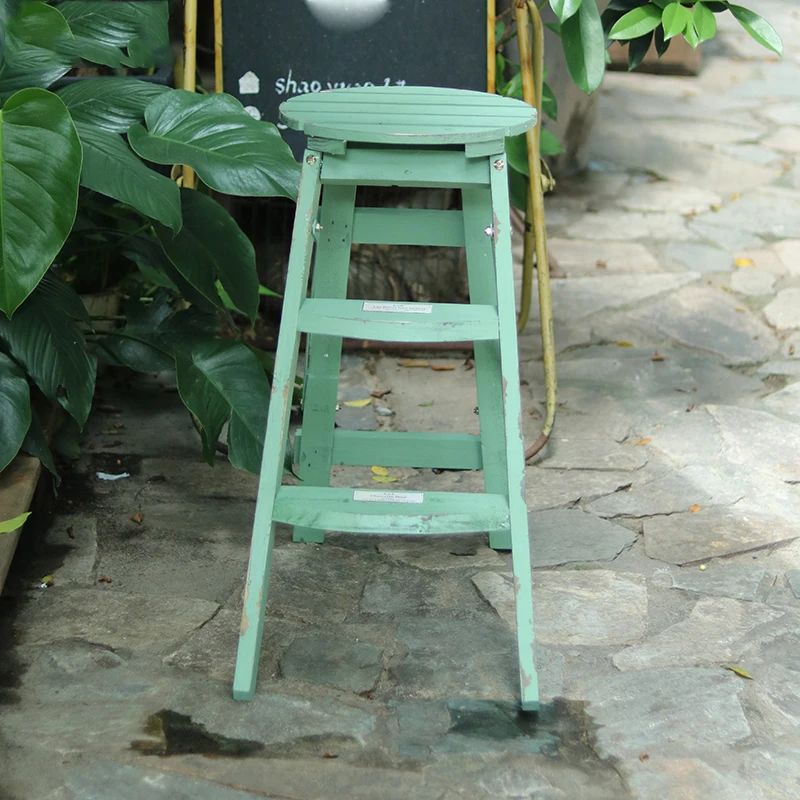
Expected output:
(291, 85)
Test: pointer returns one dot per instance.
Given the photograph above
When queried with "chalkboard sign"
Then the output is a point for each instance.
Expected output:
(275, 49)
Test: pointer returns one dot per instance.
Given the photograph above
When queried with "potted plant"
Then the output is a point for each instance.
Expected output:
(81, 199)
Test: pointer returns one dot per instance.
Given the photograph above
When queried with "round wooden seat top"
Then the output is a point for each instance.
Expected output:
(407, 115)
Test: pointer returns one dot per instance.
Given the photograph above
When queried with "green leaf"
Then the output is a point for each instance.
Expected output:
(45, 338)
(10, 525)
(637, 49)
(758, 28)
(517, 153)
(674, 19)
(39, 24)
(690, 34)
(112, 169)
(36, 445)
(209, 246)
(635, 23)
(113, 104)
(222, 379)
(103, 30)
(585, 46)
(40, 164)
(549, 144)
(705, 22)
(662, 45)
(564, 9)
(15, 410)
(27, 66)
(514, 87)
(549, 102)
(230, 151)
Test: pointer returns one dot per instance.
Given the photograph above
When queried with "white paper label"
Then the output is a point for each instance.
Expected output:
(249, 83)
(388, 497)
(398, 308)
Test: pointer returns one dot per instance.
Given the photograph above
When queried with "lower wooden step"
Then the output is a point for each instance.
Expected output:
(390, 512)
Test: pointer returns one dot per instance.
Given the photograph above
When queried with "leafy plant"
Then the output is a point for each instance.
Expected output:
(81, 203)
(586, 34)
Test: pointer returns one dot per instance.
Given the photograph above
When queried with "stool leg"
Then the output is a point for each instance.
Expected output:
(476, 203)
(515, 458)
(255, 592)
(324, 353)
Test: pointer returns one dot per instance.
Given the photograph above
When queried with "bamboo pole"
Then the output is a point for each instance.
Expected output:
(491, 44)
(189, 68)
(218, 84)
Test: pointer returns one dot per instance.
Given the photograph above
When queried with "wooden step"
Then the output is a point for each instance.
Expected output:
(391, 512)
(399, 322)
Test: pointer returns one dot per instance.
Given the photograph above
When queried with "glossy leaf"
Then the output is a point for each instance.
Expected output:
(40, 164)
(230, 151)
(103, 30)
(211, 245)
(222, 379)
(674, 19)
(585, 46)
(10, 525)
(36, 445)
(635, 23)
(45, 338)
(564, 9)
(39, 24)
(15, 409)
(112, 169)
(113, 104)
(758, 28)
(705, 22)
(637, 49)
(662, 45)
(690, 34)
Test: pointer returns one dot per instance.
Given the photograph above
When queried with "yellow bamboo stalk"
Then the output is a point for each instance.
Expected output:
(491, 44)
(189, 67)
(218, 86)
(532, 67)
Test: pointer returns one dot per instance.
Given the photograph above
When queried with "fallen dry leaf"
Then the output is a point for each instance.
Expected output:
(379, 471)
(111, 432)
(736, 196)
(695, 508)
(469, 364)
(643, 441)
(716, 207)
(358, 403)
(600, 264)
(741, 308)
(426, 405)
(643, 757)
(70, 533)
(138, 518)
(742, 673)
(412, 362)
(624, 344)
(791, 349)
(442, 367)
(47, 581)
(384, 479)
(381, 394)
(744, 262)
(657, 357)
(103, 579)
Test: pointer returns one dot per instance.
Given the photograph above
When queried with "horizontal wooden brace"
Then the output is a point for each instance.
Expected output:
(408, 226)
(432, 168)
(393, 449)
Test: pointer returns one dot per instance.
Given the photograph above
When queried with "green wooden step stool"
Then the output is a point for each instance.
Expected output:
(408, 137)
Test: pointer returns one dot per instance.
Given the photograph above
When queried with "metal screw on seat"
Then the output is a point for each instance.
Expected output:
(406, 137)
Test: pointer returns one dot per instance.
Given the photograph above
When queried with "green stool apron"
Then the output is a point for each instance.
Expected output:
(408, 137)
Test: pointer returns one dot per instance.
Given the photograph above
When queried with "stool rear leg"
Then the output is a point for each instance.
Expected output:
(477, 213)
(323, 353)
(514, 445)
(255, 592)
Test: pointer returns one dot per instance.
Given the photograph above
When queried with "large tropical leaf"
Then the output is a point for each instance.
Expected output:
(230, 151)
(40, 166)
(222, 379)
(36, 445)
(46, 339)
(113, 104)
(211, 245)
(102, 31)
(15, 409)
(585, 46)
(112, 169)
(37, 23)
